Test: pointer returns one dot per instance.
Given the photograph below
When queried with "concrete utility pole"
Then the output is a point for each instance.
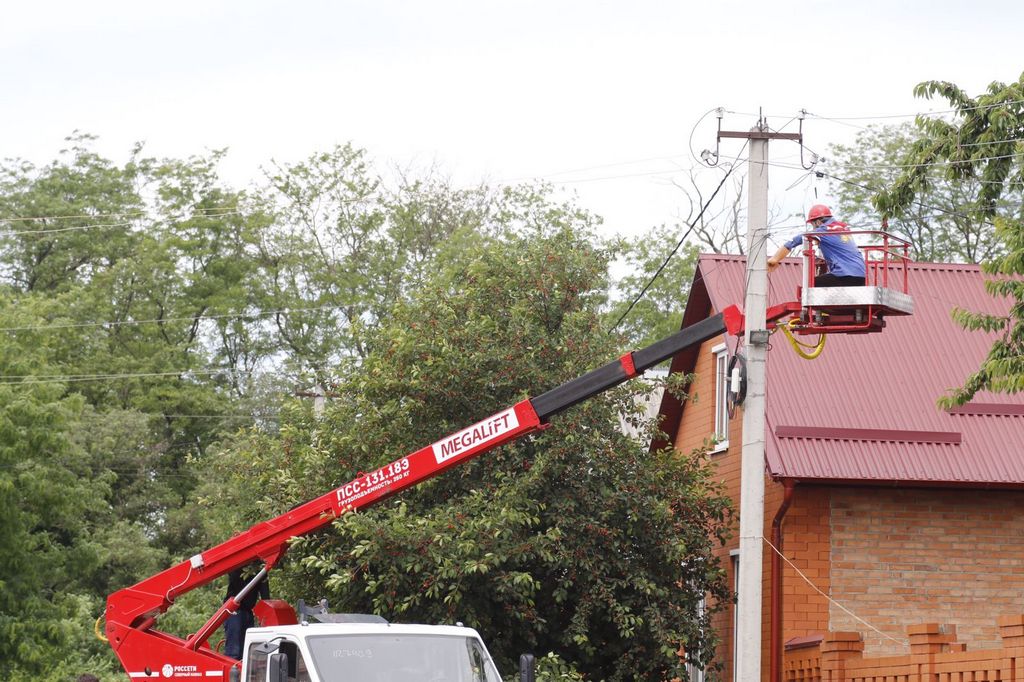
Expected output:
(748, 630)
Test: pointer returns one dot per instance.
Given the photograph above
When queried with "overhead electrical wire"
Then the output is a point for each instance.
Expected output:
(214, 212)
(679, 244)
(918, 203)
(95, 226)
(619, 177)
(75, 228)
(77, 378)
(585, 169)
(125, 323)
(777, 164)
(926, 165)
(920, 113)
(199, 211)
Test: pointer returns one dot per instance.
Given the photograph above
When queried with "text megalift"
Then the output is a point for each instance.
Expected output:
(480, 433)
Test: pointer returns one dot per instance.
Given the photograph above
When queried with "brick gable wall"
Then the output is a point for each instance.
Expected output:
(905, 556)
(895, 557)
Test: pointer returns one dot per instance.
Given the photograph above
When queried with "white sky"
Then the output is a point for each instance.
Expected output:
(495, 90)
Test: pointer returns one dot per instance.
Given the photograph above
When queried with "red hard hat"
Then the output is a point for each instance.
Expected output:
(819, 211)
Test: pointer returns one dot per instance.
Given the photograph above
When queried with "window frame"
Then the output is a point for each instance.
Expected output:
(720, 435)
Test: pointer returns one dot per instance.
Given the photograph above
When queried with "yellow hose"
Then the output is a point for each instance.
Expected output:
(799, 347)
(96, 628)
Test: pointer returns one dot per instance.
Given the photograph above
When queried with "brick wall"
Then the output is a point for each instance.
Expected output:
(895, 557)
(914, 555)
(695, 428)
(805, 533)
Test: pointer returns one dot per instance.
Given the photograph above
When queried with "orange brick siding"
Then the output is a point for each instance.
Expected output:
(805, 535)
(695, 428)
(698, 419)
(895, 557)
(912, 556)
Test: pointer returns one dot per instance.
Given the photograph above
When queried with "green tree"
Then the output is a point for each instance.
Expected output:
(115, 280)
(939, 222)
(983, 144)
(576, 541)
(343, 247)
(51, 214)
(52, 505)
(651, 296)
(138, 277)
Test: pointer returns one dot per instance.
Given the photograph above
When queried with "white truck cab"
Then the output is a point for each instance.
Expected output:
(373, 651)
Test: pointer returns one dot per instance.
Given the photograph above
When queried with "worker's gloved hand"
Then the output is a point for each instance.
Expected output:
(773, 261)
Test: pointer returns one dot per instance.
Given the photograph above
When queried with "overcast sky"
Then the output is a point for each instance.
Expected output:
(489, 90)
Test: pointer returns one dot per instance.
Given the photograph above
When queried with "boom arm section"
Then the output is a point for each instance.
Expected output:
(132, 612)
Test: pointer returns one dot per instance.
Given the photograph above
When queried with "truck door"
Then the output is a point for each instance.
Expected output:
(277, 661)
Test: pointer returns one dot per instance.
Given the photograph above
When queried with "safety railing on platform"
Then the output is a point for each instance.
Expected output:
(886, 257)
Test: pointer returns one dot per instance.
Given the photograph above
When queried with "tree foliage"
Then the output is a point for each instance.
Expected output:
(576, 541)
(342, 249)
(159, 326)
(658, 265)
(939, 221)
(51, 517)
(984, 144)
(654, 288)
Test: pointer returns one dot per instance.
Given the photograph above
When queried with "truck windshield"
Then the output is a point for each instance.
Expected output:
(401, 658)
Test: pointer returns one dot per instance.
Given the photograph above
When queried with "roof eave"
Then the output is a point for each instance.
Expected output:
(670, 412)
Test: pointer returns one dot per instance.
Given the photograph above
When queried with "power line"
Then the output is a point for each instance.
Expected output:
(854, 166)
(128, 323)
(95, 226)
(982, 144)
(75, 228)
(585, 169)
(918, 203)
(620, 177)
(76, 378)
(927, 165)
(672, 253)
(914, 115)
(197, 212)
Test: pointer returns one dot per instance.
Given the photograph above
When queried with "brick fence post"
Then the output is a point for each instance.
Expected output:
(1011, 629)
(926, 640)
(836, 649)
(931, 638)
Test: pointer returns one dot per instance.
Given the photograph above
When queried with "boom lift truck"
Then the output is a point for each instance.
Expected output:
(347, 647)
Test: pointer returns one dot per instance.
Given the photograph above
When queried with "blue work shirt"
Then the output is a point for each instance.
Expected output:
(837, 247)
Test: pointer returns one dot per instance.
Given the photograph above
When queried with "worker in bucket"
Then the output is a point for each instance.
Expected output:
(842, 257)
(242, 619)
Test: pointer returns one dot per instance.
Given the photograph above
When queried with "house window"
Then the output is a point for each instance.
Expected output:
(721, 434)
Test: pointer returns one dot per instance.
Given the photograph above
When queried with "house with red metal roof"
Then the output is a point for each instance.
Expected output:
(886, 510)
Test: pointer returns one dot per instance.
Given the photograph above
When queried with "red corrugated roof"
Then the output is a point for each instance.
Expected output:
(865, 409)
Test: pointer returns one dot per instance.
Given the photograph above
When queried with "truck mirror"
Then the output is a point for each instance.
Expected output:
(527, 668)
(277, 668)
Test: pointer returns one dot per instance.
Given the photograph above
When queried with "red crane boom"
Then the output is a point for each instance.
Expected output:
(132, 612)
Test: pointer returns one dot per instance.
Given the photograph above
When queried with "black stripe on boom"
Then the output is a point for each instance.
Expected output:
(612, 374)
